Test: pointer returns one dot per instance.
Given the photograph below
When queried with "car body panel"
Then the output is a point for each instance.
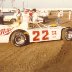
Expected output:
(35, 34)
(45, 34)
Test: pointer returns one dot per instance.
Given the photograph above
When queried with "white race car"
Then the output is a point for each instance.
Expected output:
(19, 34)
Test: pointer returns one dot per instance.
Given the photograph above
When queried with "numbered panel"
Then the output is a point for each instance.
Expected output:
(44, 35)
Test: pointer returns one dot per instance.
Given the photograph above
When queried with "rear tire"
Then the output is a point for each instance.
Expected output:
(18, 38)
(65, 35)
(69, 34)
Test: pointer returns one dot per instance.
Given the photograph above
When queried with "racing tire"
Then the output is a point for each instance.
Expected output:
(19, 39)
(65, 34)
(68, 35)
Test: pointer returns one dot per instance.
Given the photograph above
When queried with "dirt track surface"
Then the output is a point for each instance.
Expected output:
(63, 61)
(27, 58)
(53, 56)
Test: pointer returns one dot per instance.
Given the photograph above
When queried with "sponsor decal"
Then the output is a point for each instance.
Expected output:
(53, 32)
(5, 31)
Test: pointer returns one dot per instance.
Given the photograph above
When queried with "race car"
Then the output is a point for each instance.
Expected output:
(20, 34)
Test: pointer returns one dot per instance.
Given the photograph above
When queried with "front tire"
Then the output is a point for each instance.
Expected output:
(18, 39)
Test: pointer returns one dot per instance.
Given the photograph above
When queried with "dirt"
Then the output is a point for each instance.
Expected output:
(27, 58)
(62, 62)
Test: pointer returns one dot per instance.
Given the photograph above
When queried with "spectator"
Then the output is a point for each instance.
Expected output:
(26, 15)
(30, 16)
(69, 15)
(35, 16)
(61, 12)
(19, 16)
(1, 17)
(59, 18)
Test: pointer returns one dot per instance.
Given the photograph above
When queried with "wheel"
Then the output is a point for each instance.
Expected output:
(12, 20)
(18, 38)
(66, 34)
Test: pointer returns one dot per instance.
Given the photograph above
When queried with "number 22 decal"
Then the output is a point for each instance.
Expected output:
(44, 35)
(36, 38)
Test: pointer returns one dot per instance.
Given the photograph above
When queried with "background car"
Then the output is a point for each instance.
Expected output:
(9, 17)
